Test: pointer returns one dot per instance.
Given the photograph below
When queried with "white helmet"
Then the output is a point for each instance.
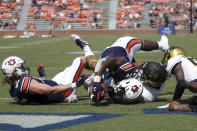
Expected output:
(133, 88)
(13, 65)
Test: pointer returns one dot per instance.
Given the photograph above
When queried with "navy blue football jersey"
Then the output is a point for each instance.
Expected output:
(116, 51)
(21, 91)
(123, 71)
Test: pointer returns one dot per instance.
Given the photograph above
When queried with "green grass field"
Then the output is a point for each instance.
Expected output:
(51, 52)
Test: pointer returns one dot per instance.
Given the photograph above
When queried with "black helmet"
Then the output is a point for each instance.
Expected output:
(154, 74)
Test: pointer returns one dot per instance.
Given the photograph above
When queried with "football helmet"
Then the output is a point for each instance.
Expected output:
(13, 65)
(132, 88)
(172, 52)
(153, 74)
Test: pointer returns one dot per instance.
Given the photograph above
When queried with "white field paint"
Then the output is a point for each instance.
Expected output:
(32, 121)
(32, 43)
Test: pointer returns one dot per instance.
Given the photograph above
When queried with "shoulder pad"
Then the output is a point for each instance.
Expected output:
(172, 62)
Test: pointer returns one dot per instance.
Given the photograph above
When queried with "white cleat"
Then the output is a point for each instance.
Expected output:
(76, 38)
(71, 98)
(163, 43)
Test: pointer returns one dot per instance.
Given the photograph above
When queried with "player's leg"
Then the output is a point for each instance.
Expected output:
(176, 106)
(149, 45)
(186, 105)
(91, 59)
(70, 75)
(133, 44)
(192, 86)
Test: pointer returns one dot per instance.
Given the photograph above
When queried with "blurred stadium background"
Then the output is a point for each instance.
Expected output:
(55, 17)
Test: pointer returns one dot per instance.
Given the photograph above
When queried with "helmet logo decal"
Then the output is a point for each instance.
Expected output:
(153, 75)
(11, 62)
(134, 88)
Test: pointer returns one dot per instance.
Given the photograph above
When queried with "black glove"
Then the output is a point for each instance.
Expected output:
(99, 92)
(40, 69)
(81, 80)
(110, 91)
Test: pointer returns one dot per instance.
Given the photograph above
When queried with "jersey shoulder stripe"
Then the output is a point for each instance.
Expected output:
(25, 82)
(126, 66)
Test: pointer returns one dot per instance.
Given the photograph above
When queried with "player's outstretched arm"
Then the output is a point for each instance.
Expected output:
(40, 88)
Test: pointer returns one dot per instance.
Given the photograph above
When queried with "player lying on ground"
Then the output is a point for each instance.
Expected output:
(115, 63)
(144, 85)
(33, 90)
(184, 69)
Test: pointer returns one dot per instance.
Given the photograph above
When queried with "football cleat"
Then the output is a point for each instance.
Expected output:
(163, 43)
(40, 69)
(76, 38)
(71, 98)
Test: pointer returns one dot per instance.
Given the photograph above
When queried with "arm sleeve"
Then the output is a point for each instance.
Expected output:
(124, 71)
(180, 87)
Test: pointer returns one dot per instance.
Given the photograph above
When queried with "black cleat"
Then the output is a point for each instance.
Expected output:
(75, 38)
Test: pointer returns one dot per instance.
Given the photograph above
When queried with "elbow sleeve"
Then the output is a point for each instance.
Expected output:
(180, 87)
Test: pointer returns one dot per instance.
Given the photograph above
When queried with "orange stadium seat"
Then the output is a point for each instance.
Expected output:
(30, 22)
(7, 15)
(85, 24)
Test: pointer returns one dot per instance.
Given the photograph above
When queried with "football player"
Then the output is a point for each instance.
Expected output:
(151, 77)
(25, 88)
(184, 69)
(117, 63)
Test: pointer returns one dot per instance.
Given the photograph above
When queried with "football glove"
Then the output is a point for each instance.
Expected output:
(81, 80)
(99, 93)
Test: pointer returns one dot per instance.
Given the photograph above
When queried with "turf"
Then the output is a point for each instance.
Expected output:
(51, 52)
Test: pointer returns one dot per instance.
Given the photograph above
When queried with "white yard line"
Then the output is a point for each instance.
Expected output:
(38, 42)
(8, 47)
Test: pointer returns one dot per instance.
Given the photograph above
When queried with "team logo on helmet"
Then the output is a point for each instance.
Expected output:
(134, 88)
(14, 65)
(11, 62)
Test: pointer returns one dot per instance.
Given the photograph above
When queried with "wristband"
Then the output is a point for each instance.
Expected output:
(73, 85)
(97, 79)
(91, 96)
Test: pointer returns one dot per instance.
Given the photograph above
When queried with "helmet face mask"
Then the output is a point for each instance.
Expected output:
(172, 52)
(14, 66)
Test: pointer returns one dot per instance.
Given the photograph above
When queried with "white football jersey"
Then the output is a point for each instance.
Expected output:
(150, 93)
(130, 44)
(188, 64)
